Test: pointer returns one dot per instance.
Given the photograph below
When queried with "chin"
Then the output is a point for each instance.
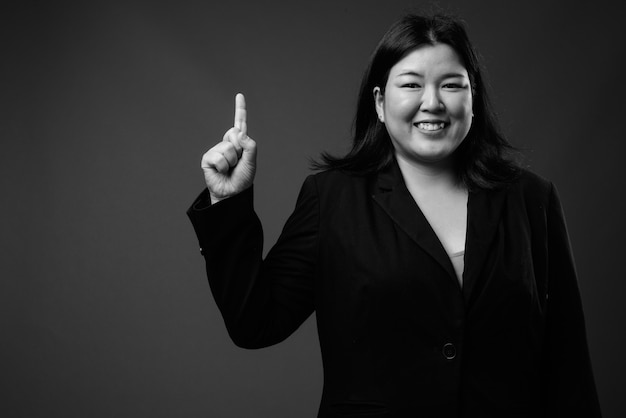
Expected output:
(434, 156)
(425, 153)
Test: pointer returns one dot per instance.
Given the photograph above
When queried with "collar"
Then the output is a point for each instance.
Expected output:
(484, 209)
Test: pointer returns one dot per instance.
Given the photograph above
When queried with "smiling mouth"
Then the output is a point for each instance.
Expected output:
(430, 126)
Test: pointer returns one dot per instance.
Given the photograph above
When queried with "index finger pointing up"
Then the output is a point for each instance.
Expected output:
(240, 113)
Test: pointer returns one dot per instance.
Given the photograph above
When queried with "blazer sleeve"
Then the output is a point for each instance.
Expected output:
(569, 388)
(262, 301)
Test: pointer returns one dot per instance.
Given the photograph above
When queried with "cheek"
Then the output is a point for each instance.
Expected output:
(403, 108)
(462, 111)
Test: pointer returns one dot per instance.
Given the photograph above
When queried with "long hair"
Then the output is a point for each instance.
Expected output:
(483, 158)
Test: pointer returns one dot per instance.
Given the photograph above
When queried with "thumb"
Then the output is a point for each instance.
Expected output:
(247, 144)
(248, 149)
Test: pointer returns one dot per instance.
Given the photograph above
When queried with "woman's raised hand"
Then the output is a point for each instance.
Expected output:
(229, 166)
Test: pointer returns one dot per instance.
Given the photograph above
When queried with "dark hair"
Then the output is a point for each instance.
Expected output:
(483, 158)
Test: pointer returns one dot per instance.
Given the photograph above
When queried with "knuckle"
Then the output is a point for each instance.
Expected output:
(235, 144)
(214, 158)
(221, 165)
(227, 146)
(207, 157)
(230, 133)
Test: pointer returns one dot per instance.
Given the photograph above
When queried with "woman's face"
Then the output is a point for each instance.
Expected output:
(427, 104)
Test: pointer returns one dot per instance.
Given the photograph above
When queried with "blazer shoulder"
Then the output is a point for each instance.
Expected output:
(333, 181)
(532, 186)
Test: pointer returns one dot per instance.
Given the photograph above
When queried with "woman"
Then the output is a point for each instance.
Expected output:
(440, 272)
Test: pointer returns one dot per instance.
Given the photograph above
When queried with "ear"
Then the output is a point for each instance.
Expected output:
(379, 101)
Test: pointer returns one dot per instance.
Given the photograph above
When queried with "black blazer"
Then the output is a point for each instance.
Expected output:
(399, 336)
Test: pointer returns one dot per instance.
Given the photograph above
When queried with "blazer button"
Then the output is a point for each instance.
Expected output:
(449, 351)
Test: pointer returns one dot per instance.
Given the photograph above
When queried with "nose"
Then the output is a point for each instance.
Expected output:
(431, 101)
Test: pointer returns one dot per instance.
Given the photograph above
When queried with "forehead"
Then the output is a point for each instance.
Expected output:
(430, 60)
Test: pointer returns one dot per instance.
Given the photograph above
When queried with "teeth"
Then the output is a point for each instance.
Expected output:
(430, 126)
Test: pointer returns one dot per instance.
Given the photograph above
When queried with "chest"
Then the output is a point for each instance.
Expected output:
(390, 247)
(446, 213)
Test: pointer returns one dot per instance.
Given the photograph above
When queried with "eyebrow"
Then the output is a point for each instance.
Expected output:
(416, 74)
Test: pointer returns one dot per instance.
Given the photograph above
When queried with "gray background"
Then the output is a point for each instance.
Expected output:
(106, 109)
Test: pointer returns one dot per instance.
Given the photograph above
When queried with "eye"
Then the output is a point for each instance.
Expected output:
(411, 85)
(453, 86)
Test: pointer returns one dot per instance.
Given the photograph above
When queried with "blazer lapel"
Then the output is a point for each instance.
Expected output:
(391, 194)
(484, 209)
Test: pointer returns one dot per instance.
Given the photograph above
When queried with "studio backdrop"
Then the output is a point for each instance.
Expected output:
(106, 110)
